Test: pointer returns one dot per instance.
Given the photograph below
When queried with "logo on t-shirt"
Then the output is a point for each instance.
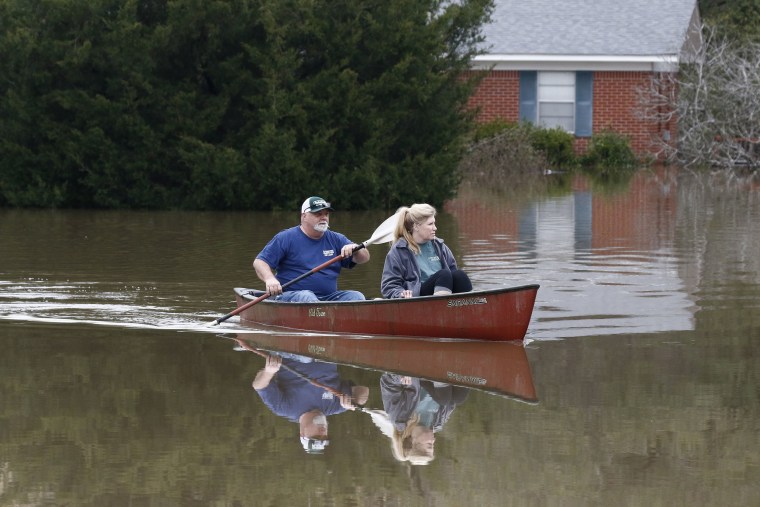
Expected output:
(434, 258)
(328, 253)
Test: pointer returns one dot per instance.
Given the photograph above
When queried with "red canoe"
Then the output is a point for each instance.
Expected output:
(497, 368)
(492, 315)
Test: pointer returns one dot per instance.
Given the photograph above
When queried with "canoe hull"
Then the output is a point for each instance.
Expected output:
(493, 315)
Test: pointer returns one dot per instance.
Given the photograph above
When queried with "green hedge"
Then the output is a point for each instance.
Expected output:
(233, 104)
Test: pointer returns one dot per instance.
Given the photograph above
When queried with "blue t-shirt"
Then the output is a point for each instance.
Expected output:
(291, 253)
(289, 395)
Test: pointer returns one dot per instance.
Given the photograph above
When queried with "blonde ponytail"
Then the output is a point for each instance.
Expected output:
(408, 218)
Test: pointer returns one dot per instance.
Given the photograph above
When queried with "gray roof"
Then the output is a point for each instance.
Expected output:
(589, 27)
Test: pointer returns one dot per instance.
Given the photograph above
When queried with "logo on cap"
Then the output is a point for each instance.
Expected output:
(314, 445)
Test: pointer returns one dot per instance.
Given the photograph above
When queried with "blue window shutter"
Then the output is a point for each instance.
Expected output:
(584, 101)
(529, 96)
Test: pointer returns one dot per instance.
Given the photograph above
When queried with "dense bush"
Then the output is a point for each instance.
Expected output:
(556, 144)
(609, 150)
(233, 104)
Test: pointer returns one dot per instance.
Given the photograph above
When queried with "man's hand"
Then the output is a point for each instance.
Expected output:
(360, 256)
(346, 401)
(273, 286)
(348, 250)
(273, 363)
(265, 375)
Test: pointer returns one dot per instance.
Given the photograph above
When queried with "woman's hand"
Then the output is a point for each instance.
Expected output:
(406, 293)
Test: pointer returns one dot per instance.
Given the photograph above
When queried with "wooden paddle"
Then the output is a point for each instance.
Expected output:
(382, 234)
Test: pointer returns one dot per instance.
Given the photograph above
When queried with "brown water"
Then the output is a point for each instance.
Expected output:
(644, 350)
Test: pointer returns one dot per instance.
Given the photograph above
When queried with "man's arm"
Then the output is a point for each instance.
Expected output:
(266, 374)
(266, 275)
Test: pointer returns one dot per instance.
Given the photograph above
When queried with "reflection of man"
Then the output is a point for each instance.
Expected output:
(306, 393)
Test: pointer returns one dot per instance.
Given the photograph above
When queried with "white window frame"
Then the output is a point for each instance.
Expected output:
(556, 88)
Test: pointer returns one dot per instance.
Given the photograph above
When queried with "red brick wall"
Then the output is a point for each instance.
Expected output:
(498, 96)
(615, 103)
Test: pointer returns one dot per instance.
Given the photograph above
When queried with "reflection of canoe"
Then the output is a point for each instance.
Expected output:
(495, 315)
(499, 368)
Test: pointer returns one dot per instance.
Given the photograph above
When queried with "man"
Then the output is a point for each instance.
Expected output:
(297, 250)
(306, 391)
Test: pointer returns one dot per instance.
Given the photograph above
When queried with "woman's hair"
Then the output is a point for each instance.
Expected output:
(407, 219)
(403, 448)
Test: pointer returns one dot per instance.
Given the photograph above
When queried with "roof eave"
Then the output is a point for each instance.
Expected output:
(629, 63)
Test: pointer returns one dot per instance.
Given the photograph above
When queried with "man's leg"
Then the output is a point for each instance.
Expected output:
(344, 295)
(298, 296)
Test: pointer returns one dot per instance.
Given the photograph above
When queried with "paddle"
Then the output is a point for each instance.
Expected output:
(383, 234)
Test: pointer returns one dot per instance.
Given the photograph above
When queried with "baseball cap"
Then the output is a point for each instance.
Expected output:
(314, 204)
(314, 445)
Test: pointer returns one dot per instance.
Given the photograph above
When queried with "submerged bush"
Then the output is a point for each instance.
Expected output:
(491, 129)
(555, 144)
(496, 160)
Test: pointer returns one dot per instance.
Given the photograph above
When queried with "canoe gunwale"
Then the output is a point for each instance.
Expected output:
(250, 294)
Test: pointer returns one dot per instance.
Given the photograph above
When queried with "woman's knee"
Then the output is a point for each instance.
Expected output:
(460, 281)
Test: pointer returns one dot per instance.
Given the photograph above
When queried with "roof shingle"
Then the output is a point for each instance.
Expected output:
(589, 27)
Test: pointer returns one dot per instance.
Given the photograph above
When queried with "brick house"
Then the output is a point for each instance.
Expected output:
(577, 64)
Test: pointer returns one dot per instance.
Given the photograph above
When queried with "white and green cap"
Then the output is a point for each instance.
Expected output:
(314, 204)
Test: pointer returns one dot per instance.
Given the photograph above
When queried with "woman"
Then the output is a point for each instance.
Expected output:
(419, 264)
(417, 409)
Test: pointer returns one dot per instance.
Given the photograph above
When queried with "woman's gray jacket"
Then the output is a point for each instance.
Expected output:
(401, 272)
(400, 400)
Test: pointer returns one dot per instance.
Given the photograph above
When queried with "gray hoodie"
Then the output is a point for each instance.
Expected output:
(401, 272)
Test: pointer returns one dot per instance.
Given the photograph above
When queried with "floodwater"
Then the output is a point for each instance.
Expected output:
(638, 384)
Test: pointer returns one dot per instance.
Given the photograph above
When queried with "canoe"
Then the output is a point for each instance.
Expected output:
(496, 368)
(491, 315)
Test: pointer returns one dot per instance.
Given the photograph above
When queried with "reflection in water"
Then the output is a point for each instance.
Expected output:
(423, 381)
(415, 410)
(607, 263)
(500, 368)
(305, 391)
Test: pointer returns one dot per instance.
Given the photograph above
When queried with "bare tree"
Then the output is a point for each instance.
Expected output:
(716, 101)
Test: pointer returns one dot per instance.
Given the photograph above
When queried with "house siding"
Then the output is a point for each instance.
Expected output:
(614, 106)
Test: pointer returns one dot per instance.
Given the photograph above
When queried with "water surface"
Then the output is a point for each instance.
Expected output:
(643, 353)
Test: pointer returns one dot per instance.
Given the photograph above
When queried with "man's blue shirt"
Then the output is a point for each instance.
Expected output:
(292, 253)
(289, 395)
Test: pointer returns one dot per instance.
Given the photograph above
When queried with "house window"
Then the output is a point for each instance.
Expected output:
(556, 100)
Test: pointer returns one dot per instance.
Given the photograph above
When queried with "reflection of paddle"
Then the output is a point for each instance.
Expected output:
(382, 234)
(297, 373)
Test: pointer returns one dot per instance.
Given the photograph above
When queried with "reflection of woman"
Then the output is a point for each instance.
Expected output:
(419, 263)
(417, 409)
